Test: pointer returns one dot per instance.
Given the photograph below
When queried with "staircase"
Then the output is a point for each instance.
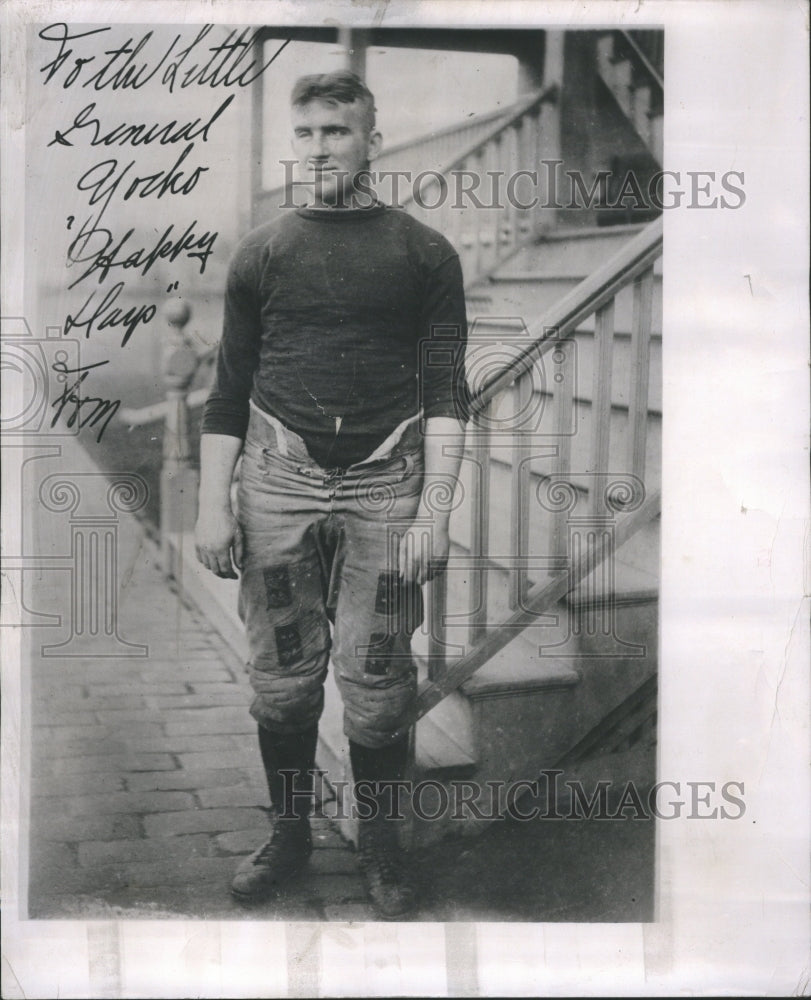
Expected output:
(533, 643)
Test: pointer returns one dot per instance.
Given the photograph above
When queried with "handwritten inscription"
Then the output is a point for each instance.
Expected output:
(95, 244)
(78, 410)
(134, 64)
(135, 159)
(104, 316)
(124, 134)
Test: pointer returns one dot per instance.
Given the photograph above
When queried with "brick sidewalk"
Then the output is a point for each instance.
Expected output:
(146, 781)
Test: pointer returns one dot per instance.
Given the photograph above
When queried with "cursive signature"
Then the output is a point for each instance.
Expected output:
(82, 410)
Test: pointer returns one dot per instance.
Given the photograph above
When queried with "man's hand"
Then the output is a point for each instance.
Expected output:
(424, 550)
(217, 535)
(218, 540)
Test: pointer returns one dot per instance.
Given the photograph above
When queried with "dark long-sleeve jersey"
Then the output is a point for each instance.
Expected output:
(341, 324)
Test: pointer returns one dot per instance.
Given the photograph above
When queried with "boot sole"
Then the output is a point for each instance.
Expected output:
(263, 895)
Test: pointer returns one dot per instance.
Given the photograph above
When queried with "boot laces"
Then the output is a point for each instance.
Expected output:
(285, 836)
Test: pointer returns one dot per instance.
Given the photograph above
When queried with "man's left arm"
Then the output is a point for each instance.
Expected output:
(443, 397)
(444, 438)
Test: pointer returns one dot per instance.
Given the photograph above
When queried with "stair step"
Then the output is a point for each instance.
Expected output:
(444, 737)
(506, 675)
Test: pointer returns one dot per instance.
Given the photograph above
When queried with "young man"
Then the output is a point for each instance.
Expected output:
(345, 430)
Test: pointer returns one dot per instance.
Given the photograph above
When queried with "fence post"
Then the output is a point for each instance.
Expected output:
(179, 478)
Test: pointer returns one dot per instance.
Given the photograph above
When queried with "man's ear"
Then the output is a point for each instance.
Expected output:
(375, 145)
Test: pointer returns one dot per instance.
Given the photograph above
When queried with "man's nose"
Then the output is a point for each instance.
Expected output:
(318, 147)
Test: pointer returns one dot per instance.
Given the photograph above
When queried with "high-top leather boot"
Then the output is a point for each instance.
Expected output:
(290, 845)
(379, 853)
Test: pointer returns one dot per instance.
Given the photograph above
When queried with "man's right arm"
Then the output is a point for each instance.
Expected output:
(217, 535)
(225, 420)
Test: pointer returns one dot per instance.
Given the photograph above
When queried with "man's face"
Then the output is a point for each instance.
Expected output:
(332, 143)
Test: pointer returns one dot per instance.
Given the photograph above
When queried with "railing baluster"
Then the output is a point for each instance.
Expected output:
(563, 379)
(436, 640)
(480, 166)
(480, 525)
(490, 219)
(640, 373)
(602, 382)
(519, 499)
(509, 214)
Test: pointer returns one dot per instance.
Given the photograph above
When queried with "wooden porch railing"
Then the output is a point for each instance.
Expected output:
(433, 151)
(476, 198)
(617, 506)
(631, 65)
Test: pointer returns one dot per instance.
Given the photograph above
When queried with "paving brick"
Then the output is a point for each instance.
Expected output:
(162, 780)
(99, 671)
(204, 653)
(140, 688)
(233, 696)
(65, 693)
(76, 784)
(242, 841)
(42, 750)
(225, 758)
(99, 852)
(141, 874)
(236, 795)
(334, 861)
(55, 713)
(120, 716)
(69, 734)
(180, 744)
(187, 673)
(203, 821)
(67, 738)
(75, 881)
(52, 870)
(114, 701)
(211, 689)
(201, 715)
(59, 827)
(126, 802)
(109, 762)
(49, 856)
(243, 727)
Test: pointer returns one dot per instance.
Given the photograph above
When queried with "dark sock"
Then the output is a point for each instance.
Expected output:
(289, 752)
(378, 766)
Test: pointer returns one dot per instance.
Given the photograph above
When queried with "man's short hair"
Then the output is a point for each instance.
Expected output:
(341, 87)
